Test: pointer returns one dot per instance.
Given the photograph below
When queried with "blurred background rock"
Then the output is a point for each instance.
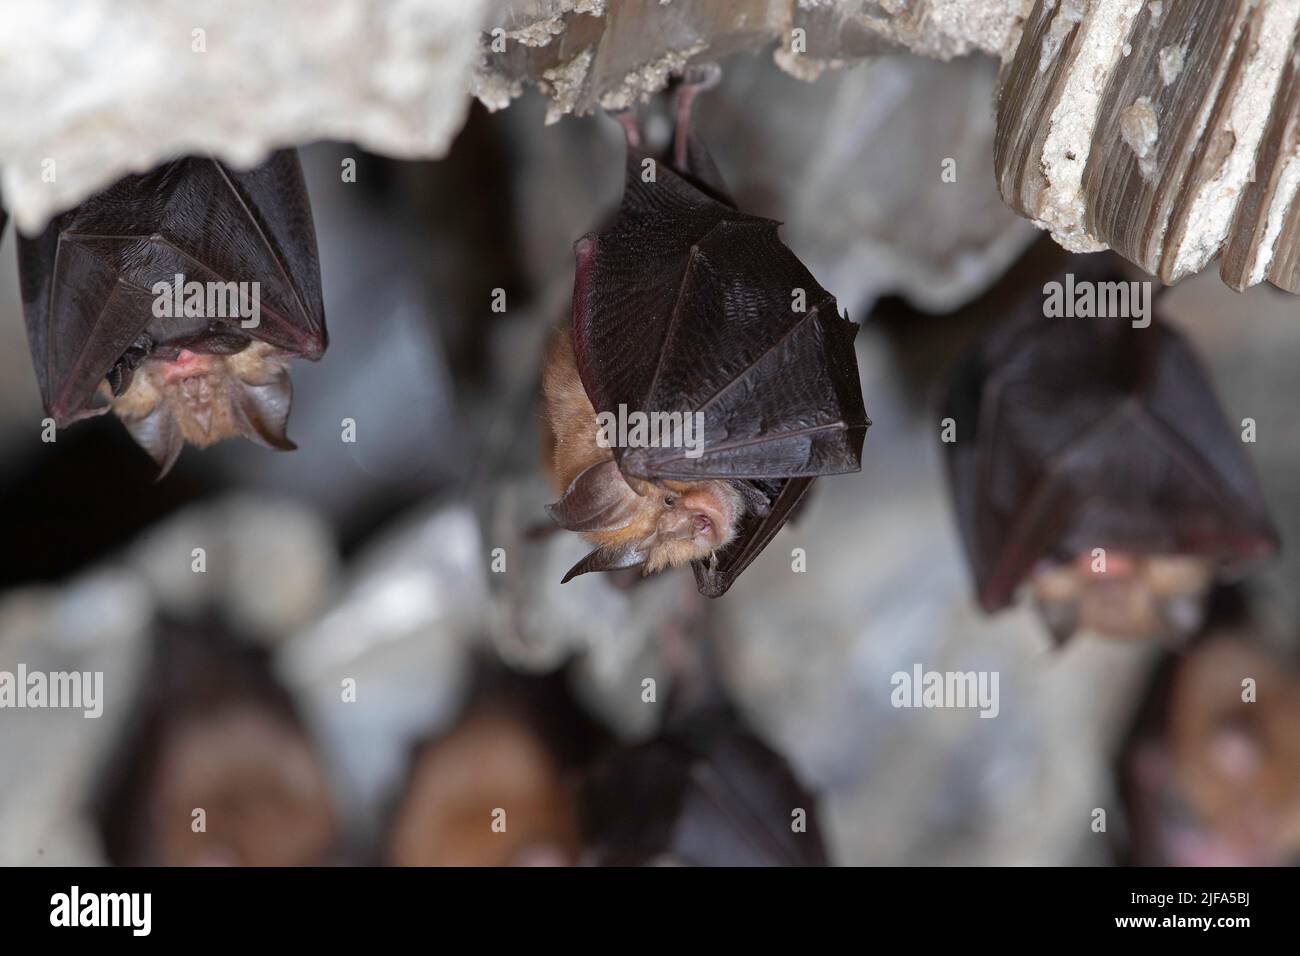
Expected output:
(373, 561)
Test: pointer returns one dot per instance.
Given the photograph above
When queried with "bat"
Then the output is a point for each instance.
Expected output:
(1213, 779)
(491, 768)
(707, 793)
(1077, 434)
(213, 729)
(692, 315)
(177, 298)
(497, 788)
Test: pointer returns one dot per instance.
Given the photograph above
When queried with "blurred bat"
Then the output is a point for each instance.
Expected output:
(1214, 780)
(488, 793)
(687, 310)
(177, 298)
(1074, 434)
(214, 731)
(515, 748)
(707, 793)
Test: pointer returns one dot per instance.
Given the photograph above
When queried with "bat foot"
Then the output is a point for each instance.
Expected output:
(702, 76)
(631, 127)
(696, 80)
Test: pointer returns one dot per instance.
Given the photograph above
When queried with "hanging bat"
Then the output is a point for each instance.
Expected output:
(707, 793)
(1214, 779)
(694, 319)
(213, 728)
(492, 768)
(177, 298)
(1078, 434)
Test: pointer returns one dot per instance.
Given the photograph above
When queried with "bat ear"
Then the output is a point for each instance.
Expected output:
(598, 500)
(606, 559)
(1061, 618)
(158, 433)
(263, 411)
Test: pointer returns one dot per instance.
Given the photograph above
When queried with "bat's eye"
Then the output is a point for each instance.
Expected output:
(670, 500)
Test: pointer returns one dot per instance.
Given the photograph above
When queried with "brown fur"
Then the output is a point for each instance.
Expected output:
(203, 399)
(1239, 763)
(1138, 596)
(266, 796)
(673, 522)
(491, 760)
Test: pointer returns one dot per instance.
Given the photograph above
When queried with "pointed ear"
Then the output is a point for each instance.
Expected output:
(159, 434)
(597, 500)
(263, 411)
(605, 559)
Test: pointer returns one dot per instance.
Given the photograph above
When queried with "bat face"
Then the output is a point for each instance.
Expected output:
(267, 797)
(1136, 596)
(1092, 458)
(177, 297)
(651, 524)
(1220, 784)
(214, 730)
(202, 398)
(491, 760)
(687, 310)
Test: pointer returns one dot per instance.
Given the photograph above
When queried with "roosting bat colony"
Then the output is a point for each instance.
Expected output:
(702, 383)
(178, 298)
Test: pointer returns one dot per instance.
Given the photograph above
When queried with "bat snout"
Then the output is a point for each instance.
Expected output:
(187, 365)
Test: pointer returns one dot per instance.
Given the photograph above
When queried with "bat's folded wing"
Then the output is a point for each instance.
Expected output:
(1072, 436)
(698, 317)
(88, 280)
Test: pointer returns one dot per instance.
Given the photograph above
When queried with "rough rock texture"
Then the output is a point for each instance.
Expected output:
(615, 53)
(858, 162)
(1164, 131)
(101, 89)
(107, 88)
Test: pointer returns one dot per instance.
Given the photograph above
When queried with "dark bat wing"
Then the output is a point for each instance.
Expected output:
(706, 794)
(88, 279)
(686, 305)
(702, 172)
(755, 533)
(1082, 433)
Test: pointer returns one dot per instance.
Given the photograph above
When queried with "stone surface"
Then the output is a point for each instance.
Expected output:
(616, 53)
(103, 89)
(1165, 133)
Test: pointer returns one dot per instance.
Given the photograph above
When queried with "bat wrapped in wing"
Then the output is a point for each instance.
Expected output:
(176, 298)
(695, 324)
(1092, 457)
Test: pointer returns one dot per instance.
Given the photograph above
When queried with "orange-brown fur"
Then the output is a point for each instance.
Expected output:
(265, 792)
(1238, 762)
(675, 522)
(491, 759)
